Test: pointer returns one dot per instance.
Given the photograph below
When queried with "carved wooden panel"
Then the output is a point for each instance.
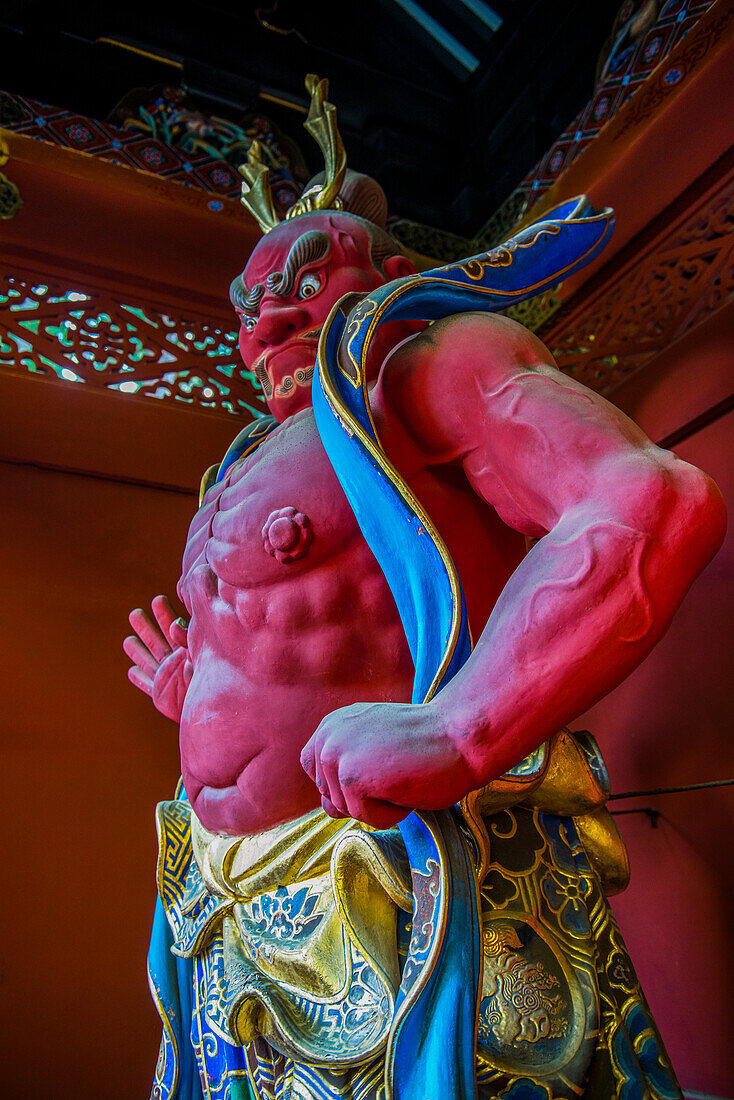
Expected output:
(87, 334)
(90, 336)
(662, 290)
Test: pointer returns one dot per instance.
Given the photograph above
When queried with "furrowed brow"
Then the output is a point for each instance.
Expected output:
(244, 300)
(307, 249)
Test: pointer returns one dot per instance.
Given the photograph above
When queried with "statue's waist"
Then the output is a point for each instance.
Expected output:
(565, 777)
(246, 866)
(298, 936)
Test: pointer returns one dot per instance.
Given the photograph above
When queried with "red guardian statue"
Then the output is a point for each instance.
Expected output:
(384, 874)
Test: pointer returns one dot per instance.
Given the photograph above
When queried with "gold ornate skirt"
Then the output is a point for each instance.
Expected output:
(297, 940)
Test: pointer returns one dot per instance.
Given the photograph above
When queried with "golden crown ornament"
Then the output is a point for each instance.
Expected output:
(257, 195)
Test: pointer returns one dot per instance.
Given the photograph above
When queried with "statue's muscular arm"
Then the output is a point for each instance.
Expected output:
(624, 528)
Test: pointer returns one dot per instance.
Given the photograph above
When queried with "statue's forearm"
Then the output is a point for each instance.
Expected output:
(581, 611)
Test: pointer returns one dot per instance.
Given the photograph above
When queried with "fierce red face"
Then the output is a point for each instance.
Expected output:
(293, 278)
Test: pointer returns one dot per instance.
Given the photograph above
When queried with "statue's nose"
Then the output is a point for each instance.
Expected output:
(278, 322)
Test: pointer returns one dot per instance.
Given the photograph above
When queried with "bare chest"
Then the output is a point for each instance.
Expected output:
(276, 516)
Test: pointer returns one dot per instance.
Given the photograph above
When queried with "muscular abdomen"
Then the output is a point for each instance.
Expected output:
(278, 644)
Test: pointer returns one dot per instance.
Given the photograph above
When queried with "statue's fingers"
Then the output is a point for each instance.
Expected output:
(150, 634)
(318, 777)
(329, 808)
(140, 680)
(375, 812)
(308, 760)
(177, 634)
(330, 786)
(165, 616)
(140, 656)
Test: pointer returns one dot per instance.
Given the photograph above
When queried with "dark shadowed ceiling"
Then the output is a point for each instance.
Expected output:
(447, 102)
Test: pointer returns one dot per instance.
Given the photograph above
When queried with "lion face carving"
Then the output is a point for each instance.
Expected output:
(520, 1004)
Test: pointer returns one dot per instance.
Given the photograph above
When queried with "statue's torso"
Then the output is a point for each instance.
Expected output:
(279, 640)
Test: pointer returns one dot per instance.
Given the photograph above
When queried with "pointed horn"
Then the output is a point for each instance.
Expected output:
(256, 193)
(321, 125)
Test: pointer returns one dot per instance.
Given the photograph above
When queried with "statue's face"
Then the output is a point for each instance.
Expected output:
(293, 278)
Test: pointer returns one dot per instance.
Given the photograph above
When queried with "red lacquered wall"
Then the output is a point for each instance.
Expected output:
(670, 725)
(85, 756)
(97, 491)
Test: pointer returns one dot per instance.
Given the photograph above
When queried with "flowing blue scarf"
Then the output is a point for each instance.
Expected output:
(431, 1051)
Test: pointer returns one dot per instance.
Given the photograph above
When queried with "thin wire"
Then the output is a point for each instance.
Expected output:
(674, 790)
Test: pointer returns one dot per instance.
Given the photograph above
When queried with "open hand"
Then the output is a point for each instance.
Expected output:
(161, 663)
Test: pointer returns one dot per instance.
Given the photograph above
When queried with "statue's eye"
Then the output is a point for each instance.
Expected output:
(248, 323)
(309, 285)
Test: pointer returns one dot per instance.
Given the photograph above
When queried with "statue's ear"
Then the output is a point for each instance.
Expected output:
(395, 267)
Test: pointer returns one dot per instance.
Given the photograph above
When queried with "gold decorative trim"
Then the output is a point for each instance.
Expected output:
(605, 849)
(169, 1034)
(427, 968)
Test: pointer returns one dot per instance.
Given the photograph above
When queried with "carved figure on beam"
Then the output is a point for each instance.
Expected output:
(384, 874)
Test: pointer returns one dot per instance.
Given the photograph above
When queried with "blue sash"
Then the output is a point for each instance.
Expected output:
(431, 1051)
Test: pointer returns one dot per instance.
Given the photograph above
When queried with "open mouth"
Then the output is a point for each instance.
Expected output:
(264, 367)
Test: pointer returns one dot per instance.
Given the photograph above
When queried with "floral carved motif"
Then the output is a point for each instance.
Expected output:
(684, 275)
(88, 335)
